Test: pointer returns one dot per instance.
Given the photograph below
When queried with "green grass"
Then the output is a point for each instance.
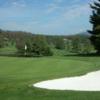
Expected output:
(18, 74)
(8, 50)
(58, 52)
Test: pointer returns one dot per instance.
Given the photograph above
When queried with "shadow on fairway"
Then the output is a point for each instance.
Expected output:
(33, 55)
(83, 55)
(19, 55)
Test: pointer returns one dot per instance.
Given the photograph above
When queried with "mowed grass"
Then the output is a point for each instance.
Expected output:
(18, 74)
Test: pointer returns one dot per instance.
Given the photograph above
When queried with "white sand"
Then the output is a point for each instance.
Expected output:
(88, 82)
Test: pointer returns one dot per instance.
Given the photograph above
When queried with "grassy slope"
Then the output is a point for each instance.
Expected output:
(18, 74)
(8, 50)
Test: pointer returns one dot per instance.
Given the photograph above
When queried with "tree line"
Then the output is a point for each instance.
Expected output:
(26, 44)
(29, 44)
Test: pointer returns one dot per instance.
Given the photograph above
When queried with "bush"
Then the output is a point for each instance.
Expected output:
(33, 46)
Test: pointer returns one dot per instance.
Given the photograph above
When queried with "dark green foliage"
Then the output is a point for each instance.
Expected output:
(35, 46)
(1, 39)
(27, 44)
(56, 41)
(79, 44)
(59, 43)
(24, 44)
(20, 45)
(95, 21)
(75, 44)
(40, 46)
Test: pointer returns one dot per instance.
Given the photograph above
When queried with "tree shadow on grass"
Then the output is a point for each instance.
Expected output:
(19, 55)
(33, 55)
(83, 55)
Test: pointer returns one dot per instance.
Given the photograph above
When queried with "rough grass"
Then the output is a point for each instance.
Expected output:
(18, 74)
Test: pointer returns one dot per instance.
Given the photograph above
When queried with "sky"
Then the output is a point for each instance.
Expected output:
(58, 17)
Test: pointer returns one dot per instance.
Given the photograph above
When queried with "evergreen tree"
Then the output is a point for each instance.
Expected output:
(95, 21)
(1, 39)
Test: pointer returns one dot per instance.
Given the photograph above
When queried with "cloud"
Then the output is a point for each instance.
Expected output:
(58, 1)
(76, 11)
(75, 1)
(55, 5)
(51, 17)
(71, 13)
(69, 16)
(18, 3)
(52, 8)
(13, 3)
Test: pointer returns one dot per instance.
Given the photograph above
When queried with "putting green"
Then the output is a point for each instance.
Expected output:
(18, 74)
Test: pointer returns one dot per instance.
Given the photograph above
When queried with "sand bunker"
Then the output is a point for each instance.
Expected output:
(88, 82)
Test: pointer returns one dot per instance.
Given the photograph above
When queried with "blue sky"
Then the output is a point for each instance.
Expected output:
(45, 16)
